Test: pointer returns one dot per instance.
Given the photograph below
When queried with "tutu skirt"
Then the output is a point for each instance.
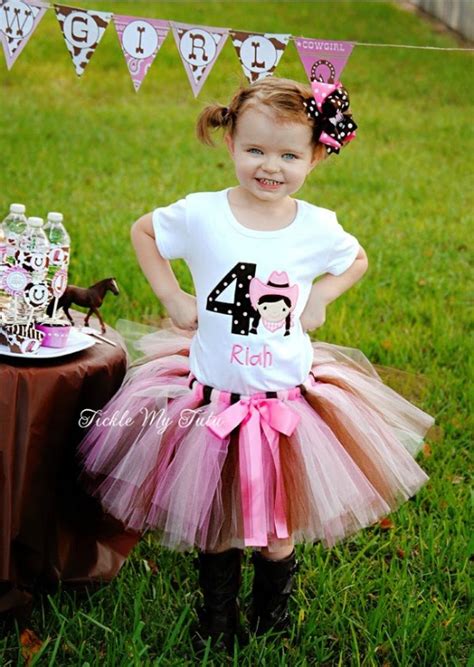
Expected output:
(201, 467)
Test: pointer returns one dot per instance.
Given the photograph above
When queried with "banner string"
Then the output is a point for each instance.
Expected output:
(413, 46)
(293, 38)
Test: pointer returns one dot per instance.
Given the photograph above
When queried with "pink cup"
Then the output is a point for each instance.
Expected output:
(54, 336)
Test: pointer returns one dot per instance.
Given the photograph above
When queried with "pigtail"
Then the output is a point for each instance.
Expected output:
(256, 320)
(212, 117)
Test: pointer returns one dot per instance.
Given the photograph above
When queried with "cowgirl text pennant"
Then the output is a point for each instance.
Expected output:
(198, 47)
(259, 54)
(141, 40)
(82, 32)
(323, 60)
(18, 21)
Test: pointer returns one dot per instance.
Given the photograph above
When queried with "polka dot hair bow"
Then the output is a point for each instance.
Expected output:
(328, 108)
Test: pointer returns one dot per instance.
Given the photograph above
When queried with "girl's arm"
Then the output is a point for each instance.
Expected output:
(180, 305)
(329, 288)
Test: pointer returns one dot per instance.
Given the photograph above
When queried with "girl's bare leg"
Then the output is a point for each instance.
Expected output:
(281, 552)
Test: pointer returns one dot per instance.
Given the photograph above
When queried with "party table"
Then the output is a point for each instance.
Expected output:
(50, 530)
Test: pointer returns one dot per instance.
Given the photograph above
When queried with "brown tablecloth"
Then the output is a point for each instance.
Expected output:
(50, 530)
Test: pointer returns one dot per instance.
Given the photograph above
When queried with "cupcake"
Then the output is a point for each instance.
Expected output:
(56, 332)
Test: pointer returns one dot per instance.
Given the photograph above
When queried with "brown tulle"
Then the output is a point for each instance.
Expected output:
(294, 482)
(352, 447)
(231, 503)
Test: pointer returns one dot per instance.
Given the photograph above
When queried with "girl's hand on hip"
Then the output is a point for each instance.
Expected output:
(182, 309)
(314, 315)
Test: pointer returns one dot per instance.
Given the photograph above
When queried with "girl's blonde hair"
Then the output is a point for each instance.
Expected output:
(282, 96)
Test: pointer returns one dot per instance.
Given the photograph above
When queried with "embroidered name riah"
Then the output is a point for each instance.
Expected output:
(242, 355)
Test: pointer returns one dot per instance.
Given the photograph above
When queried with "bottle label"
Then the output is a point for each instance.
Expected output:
(59, 256)
(15, 279)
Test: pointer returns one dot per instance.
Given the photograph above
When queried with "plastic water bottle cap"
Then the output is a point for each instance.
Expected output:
(35, 222)
(17, 208)
(55, 217)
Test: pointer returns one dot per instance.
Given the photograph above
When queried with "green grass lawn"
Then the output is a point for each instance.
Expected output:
(104, 155)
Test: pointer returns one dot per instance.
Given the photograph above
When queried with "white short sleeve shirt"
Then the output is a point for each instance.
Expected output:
(251, 287)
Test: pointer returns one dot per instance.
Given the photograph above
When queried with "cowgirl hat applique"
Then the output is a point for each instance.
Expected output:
(328, 108)
(278, 285)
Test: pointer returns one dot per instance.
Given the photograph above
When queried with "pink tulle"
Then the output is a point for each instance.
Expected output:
(156, 465)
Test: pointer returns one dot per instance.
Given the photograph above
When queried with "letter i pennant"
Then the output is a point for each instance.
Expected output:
(199, 47)
(82, 32)
(259, 54)
(141, 40)
(18, 21)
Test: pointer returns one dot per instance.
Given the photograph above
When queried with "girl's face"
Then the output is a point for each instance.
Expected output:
(274, 311)
(265, 148)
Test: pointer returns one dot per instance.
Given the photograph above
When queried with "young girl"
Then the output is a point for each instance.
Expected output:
(236, 430)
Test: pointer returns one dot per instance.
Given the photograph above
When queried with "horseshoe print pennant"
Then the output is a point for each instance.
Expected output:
(259, 53)
(82, 32)
(199, 47)
(18, 21)
(323, 60)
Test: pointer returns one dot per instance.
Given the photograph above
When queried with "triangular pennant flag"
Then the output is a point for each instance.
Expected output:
(18, 21)
(259, 53)
(323, 60)
(82, 32)
(141, 40)
(199, 47)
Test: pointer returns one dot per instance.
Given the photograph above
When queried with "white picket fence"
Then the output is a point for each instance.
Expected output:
(456, 14)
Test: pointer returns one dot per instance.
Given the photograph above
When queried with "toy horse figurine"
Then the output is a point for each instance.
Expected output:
(91, 297)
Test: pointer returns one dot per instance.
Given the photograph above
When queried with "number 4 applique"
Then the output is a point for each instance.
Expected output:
(240, 309)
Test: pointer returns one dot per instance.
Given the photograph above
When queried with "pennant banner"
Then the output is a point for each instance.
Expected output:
(141, 40)
(82, 32)
(323, 60)
(198, 47)
(259, 53)
(18, 21)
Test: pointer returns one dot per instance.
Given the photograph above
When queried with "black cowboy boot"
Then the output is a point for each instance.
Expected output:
(219, 578)
(272, 586)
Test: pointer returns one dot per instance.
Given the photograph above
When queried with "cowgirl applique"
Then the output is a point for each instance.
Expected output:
(274, 302)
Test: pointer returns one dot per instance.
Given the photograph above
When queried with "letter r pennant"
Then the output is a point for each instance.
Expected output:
(199, 47)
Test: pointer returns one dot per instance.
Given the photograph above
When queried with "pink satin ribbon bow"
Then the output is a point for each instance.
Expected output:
(322, 90)
(256, 415)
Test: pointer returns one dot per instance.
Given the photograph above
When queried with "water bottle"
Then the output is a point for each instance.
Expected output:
(11, 229)
(14, 224)
(34, 239)
(59, 254)
(33, 256)
(4, 298)
(59, 240)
